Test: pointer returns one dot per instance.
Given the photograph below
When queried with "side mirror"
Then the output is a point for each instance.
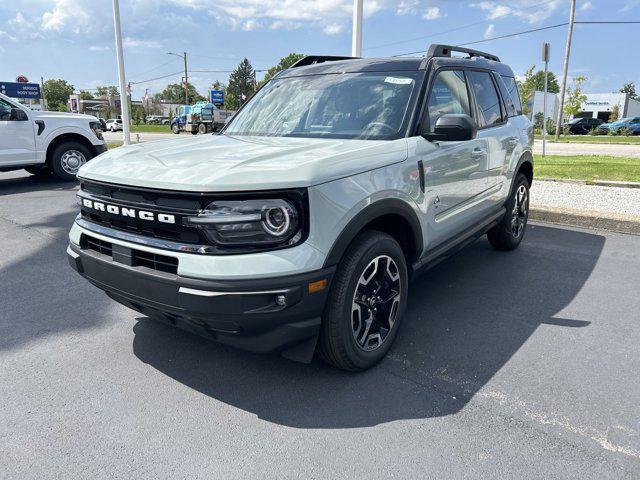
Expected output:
(18, 115)
(454, 128)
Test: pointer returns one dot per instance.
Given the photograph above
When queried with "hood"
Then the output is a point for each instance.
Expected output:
(218, 163)
(64, 115)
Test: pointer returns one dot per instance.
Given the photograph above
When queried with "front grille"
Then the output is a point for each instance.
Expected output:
(130, 256)
(174, 203)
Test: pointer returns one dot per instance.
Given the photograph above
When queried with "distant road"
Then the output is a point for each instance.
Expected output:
(552, 148)
(610, 149)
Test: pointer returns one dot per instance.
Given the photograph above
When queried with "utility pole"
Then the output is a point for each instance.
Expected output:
(186, 81)
(546, 54)
(186, 78)
(566, 67)
(356, 40)
(124, 103)
(42, 104)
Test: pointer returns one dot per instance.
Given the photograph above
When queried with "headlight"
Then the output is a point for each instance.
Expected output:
(268, 223)
(95, 126)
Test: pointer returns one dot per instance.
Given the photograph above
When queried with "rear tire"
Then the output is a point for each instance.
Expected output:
(366, 303)
(175, 129)
(67, 158)
(508, 234)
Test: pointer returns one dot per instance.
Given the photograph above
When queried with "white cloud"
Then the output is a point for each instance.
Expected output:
(488, 33)
(528, 10)
(629, 5)
(98, 48)
(432, 13)
(66, 14)
(5, 35)
(139, 43)
(585, 6)
(332, 29)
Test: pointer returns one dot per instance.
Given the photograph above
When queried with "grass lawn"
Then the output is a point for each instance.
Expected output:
(111, 145)
(588, 167)
(635, 140)
(150, 129)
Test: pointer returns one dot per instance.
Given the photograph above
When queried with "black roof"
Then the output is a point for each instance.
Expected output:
(437, 55)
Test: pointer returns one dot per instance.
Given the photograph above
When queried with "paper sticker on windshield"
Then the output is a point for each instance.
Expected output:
(398, 80)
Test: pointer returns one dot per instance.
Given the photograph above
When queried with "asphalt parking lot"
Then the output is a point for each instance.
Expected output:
(508, 365)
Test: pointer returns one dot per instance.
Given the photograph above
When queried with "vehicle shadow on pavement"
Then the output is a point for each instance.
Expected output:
(465, 319)
(33, 183)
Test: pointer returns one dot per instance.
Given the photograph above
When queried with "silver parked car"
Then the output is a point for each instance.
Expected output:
(299, 227)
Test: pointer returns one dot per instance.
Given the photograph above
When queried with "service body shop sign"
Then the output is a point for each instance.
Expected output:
(20, 89)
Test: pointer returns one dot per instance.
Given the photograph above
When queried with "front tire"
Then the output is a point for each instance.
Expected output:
(366, 303)
(508, 234)
(202, 129)
(175, 129)
(67, 158)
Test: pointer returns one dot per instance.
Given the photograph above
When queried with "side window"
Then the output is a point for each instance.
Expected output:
(512, 88)
(448, 95)
(506, 97)
(487, 100)
(5, 110)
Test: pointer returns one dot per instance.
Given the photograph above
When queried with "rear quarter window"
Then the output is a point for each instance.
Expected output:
(512, 88)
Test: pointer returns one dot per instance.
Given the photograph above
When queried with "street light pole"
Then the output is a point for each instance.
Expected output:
(124, 103)
(566, 67)
(356, 40)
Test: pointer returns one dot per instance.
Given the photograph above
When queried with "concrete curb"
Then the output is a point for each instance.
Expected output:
(594, 220)
(598, 183)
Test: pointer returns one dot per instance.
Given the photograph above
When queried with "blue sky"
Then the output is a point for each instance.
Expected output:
(73, 39)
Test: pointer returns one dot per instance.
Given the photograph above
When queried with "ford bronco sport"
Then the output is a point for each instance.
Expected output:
(298, 228)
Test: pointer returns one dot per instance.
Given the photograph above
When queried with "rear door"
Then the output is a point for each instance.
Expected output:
(495, 129)
(17, 137)
(454, 172)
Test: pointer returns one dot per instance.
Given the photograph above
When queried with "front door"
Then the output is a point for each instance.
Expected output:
(17, 138)
(454, 172)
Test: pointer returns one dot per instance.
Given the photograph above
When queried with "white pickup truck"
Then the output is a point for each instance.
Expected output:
(46, 142)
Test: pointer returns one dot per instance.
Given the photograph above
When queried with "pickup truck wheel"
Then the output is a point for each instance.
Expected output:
(67, 158)
(175, 128)
(38, 171)
(508, 234)
(366, 303)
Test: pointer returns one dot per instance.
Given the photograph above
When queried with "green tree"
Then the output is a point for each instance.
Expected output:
(575, 98)
(533, 82)
(57, 93)
(630, 88)
(174, 93)
(241, 83)
(84, 95)
(615, 114)
(107, 90)
(283, 64)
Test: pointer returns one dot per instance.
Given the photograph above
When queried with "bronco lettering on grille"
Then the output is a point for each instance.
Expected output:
(129, 212)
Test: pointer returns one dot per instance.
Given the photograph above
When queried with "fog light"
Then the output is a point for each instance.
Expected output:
(281, 300)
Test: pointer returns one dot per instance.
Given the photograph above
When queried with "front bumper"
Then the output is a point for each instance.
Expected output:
(100, 148)
(242, 313)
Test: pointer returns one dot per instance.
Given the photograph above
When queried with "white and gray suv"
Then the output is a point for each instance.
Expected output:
(298, 228)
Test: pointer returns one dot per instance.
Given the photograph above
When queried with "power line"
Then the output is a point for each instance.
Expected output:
(157, 78)
(152, 69)
(482, 22)
(548, 27)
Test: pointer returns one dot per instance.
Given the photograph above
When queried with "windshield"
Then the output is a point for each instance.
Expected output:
(354, 105)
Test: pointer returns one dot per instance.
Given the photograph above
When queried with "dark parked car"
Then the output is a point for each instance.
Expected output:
(582, 126)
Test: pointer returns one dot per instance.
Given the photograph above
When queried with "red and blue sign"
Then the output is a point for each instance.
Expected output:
(20, 89)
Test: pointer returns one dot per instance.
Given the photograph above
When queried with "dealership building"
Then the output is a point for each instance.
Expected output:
(596, 105)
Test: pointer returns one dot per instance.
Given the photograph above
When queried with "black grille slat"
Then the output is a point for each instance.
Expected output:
(153, 261)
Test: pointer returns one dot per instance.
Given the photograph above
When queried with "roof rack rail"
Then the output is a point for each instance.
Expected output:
(313, 59)
(436, 50)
